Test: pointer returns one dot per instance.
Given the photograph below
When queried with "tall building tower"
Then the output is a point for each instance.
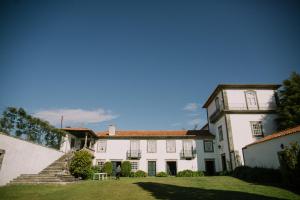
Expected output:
(239, 115)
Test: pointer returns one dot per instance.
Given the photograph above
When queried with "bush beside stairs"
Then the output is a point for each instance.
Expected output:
(56, 173)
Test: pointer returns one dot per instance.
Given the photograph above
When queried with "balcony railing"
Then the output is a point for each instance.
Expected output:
(241, 107)
(134, 154)
(188, 154)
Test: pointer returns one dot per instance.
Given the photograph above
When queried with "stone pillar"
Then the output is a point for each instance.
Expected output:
(85, 141)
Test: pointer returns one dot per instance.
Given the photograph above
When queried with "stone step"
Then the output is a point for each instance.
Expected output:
(54, 173)
(35, 183)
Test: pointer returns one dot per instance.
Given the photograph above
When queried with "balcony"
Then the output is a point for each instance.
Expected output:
(134, 154)
(215, 116)
(188, 154)
(242, 108)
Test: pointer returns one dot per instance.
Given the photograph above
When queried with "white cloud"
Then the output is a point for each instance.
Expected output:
(192, 107)
(75, 116)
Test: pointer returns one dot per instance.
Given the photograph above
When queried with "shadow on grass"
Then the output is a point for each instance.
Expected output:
(173, 192)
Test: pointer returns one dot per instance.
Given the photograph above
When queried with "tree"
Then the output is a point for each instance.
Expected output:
(289, 103)
(16, 122)
(81, 164)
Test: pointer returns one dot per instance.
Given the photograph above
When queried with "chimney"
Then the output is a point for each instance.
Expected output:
(111, 130)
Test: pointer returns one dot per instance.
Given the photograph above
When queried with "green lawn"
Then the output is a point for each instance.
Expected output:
(218, 187)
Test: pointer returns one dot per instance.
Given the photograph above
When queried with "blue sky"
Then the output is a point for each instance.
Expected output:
(139, 64)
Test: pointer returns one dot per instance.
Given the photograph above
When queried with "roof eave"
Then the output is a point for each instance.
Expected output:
(238, 86)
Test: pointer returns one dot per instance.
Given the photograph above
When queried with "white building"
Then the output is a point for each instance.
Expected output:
(241, 119)
(239, 115)
(265, 152)
(150, 151)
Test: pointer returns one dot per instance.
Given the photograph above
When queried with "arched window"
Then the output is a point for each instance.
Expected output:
(251, 100)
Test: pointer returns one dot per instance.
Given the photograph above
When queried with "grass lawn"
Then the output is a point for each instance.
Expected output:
(218, 187)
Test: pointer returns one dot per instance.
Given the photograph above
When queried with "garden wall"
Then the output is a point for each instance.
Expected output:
(23, 157)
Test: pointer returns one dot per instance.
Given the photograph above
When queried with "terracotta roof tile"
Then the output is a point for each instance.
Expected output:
(157, 133)
(277, 135)
(79, 129)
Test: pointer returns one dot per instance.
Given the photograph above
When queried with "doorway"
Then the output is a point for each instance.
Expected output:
(223, 159)
(151, 168)
(210, 167)
(171, 168)
(115, 164)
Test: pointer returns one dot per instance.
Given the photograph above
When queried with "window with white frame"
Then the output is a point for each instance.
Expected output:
(251, 100)
(100, 163)
(134, 166)
(101, 147)
(171, 146)
(257, 129)
(151, 146)
(220, 131)
(208, 146)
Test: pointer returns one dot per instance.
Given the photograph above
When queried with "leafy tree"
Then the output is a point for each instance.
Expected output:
(289, 103)
(16, 122)
(126, 168)
(81, 164)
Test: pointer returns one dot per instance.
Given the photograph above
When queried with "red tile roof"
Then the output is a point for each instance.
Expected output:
(277, 135)
(158, 133)
(79, 129)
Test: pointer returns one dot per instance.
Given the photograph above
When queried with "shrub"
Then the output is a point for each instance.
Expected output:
(189, 173)
(257, 174)
(140, 173)
(132, 174)
(107, 168)
(96, 169)
(224, 173)
(290, 165)
(161, 174)
(81, 164)
(126, 168)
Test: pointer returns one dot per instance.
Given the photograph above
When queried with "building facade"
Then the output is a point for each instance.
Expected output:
(150, 151)
(239, 115)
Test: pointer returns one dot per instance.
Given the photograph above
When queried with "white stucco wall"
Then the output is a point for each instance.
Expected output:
(212, 106)
(241, 129)
(265, 98)
(223, 144)
(117, 148)
(22, 157)
(265, 154)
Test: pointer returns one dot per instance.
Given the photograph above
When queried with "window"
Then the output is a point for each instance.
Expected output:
(101, 146)
(257, 129)
(217, 102)
(171, 146)
(220, 131)
(251, 100)
(187, 145)
(134, 145)
(151, 146)
(134, 166)
(208, 146)
(100, 163)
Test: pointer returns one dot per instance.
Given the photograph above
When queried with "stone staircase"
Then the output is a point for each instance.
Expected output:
(57, 173)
